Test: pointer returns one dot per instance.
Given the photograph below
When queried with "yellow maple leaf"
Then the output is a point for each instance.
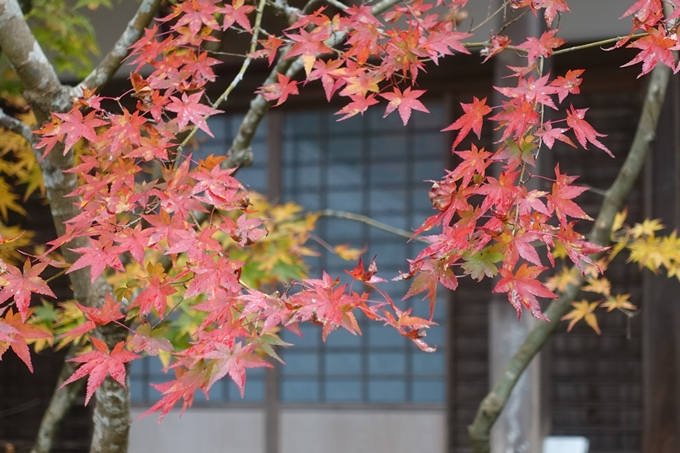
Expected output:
(646, 228)
(347, 253)
(599, 285)
(619, 302)
(559, 282)
(583, 310)
(619, 220)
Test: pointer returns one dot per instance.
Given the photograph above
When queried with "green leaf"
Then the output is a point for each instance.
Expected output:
(482, 263)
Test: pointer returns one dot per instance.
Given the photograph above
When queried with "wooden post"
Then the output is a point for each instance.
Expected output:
(523, 423)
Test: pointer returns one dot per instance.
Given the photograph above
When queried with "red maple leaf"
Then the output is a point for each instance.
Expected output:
(583, 130)
(645, 9)
(522, 289)
(96, 316)
(20, 285)
(548, 135)
(234, 361)
(405, 102)
(195, 14)
(328, 72)
(562, 194)
(14, 333)
(411, 327)
(271, 46)
(568, 84)
(472, 119)
(308, 45)
(497, 44)
(101, 363)
(98, 256)
(541, 47)
(72, 125)
(155, 295)
(552, 7)
(236, 12)
(359, 104)
(280, 90)
(190, 110)
(578, 249)
(657, 47)
(474, 163)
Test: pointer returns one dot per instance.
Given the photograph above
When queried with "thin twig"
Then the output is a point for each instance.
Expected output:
(597, 44)
(370, 222)
(239, 77)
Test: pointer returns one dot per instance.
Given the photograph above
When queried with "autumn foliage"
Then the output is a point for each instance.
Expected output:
(173, 234)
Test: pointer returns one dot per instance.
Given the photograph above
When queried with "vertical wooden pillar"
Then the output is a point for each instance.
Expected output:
(274, 192)
(661, 295)
(524, 422)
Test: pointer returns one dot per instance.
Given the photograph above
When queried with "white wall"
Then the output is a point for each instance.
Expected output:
(199, 430)
(369, 431)
(226, 430)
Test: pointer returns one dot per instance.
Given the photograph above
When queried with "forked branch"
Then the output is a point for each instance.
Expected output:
(491, 407)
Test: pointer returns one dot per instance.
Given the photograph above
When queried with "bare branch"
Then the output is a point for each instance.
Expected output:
(110, 64)
(480, 430)
(337, 4)
(40, 81)
(239, 77)
(60, 403)
(370, 222)
(259, 106)
(282, 8)
(12, 124)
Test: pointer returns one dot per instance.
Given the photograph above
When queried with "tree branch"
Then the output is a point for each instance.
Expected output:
(12, 124)
(370, 222)
(489, 410)
(282, 8)
(134, 30)
(41, 84)
(45, 93)
(60, 403)
(240, 152)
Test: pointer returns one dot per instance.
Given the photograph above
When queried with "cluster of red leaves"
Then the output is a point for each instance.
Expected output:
(491, 223)
(125, 215)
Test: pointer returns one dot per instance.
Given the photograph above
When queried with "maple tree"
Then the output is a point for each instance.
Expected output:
(139, 248)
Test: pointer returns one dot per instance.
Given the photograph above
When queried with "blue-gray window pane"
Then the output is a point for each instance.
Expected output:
(384, 391)
(344, 149)
(391, 146)
(343, 391)
(369, 166)
(345, 176)
(388, 174)
(352, 125)
(386, 363)
(349, 200)
(387, 200)
(137, 388)
(423, 363)
(435, 120)
(348, 363)
(428, 391)
(302, 124)
(300, 390)
(298, 363)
